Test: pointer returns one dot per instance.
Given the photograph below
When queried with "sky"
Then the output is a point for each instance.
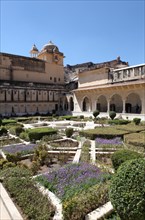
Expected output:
(85, 31)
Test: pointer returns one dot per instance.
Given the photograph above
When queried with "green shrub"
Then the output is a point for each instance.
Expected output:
(121, 156)
(38, 133)
(8, 121)
(19, 130)
(3, 131)
(24, 135)
(69, 132)
(78, 206)
(68, 117)
(81, 116)
(119, 122)
(14, 158)
(127, 190)
(136, 121)
(136, 139)
(2, 162)
(96, 113)
(103, 132)
(112, 114)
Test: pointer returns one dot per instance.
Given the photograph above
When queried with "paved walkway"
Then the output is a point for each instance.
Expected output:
(4, 215)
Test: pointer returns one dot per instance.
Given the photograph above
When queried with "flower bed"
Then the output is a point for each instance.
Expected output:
(67, 143)
(31, 202)
(79, 186)
(109, 143)
(19, 148)
(9, 141)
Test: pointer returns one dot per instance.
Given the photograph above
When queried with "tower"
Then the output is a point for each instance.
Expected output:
(34, 51)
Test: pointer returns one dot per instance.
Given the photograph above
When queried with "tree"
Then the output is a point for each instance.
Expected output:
(96, 113)
(112, 114)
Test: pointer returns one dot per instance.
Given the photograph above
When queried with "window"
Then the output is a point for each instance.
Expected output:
(58, 79)
(54, 79)
(50, 78)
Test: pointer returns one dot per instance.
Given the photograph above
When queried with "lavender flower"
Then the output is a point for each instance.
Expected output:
(71, 179)
(19, 148)
(114, 141)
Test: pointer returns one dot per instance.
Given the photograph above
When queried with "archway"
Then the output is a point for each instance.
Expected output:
(71, 102)
(65, 104)
(133, 104)
(102, 104)
(116, 103)
(86, 105)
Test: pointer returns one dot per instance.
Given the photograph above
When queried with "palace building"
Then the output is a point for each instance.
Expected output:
(119, 89)
(40, 84)
(32, 85)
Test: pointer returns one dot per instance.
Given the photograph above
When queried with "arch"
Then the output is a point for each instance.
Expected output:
(116, 103)
(101, 104)
(133, 103)
(65, 104)
(71, 103)
(85, 105)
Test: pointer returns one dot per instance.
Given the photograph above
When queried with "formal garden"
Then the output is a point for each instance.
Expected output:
(83, 167)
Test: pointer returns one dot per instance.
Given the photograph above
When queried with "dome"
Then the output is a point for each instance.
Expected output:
(50, 47)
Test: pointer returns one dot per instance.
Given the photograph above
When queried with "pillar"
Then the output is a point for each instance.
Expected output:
(124, 102)
(108, 105)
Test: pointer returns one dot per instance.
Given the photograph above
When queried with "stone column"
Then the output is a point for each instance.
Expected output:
(124, 102)
(108, 104)
(143, 104)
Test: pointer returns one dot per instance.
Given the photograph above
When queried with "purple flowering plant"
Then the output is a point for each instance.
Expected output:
(107, 143)
(19, 148)
(72, 179)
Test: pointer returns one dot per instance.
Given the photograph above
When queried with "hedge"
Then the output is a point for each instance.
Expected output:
(136, 139)
(105, 132)
(38, 133)
(127, 190)
(118, 122)
(121, 156)
(8, 121)
(68, 117)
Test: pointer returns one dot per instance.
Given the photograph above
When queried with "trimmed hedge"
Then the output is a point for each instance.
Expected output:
(103, 132)
(137, 121)
(69, 132)
(121, 156)
(136, 139)
(127, 190)
(26, 195)
(8, 121)
(119, 122)
(112, 114)
(68, 117)
(38, 133)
